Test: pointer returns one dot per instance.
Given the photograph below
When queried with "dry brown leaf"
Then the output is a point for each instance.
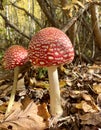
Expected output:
(69, 82)
(87, 106)
(42, 84)
(99, 100)
(75, 93)
(3, 107)
(62, 83)
(43, 111)
(25, 102)
(20, 85)
(1, 116)
(27, 119)
(15, 106)
(87, 97)
(91, 119)
(97, 88)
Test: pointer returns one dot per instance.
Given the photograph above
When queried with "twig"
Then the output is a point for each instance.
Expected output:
(96, 75)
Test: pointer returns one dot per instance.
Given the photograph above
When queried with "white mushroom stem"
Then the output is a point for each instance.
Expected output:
(55, 100)
(13, 92)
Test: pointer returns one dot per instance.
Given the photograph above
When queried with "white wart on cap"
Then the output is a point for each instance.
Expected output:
(15, 56)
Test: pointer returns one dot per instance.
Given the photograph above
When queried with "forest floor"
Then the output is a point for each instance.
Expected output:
(80, 87)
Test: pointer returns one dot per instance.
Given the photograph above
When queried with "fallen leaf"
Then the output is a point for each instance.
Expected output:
(27, 119)
(99, 100)
(1, 116)
(62, 83)
(97, 88)
(25, 102)
(87, 97)
(3, 107)
(15, 106)
(75, 93)
(43, 111)
(42, 84)
(20, 84)
(87, 106)
(91, 119)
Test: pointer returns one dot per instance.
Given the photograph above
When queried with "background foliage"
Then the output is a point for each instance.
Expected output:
(20, 20)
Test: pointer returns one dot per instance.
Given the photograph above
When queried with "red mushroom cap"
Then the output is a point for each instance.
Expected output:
(15, 56)
(50, 47)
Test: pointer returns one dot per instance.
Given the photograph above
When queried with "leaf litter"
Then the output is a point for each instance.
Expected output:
(81, 100)
(24, 118)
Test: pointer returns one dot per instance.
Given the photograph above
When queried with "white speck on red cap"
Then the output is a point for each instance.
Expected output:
(15, 56)
(50, 47)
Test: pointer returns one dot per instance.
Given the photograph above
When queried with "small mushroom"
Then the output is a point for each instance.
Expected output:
(50, 48)
(14, 57)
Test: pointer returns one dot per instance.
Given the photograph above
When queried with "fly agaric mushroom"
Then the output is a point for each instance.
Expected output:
(50, 47)
(14, 57)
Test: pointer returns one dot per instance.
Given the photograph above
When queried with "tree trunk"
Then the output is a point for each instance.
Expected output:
(95, 26)
(7, 16)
